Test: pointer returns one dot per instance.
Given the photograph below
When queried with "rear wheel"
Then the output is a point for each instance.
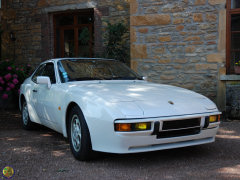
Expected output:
(27, 123)
(79, 136)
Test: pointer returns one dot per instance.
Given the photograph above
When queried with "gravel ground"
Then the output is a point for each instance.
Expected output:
(44, 154)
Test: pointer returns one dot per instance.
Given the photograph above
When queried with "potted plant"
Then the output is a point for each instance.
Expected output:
(237, 67)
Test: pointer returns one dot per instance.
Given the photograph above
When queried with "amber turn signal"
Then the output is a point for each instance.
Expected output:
(122, 127)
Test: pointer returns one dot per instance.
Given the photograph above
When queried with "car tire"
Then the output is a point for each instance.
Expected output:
(79, 136)
(26, 122)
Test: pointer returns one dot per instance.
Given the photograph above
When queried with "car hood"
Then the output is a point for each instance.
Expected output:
(145, 99)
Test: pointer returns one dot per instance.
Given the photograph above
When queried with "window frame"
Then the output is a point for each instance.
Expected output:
(42, 71)
(53, 69)
(76, 27)
(33, 76)
(229, 13)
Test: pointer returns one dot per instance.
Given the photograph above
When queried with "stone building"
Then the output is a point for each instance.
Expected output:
(179, 42)
(44, 29)
(188, 43)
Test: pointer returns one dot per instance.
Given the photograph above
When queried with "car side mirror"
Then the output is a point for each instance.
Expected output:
(44, 80)
(144, 78)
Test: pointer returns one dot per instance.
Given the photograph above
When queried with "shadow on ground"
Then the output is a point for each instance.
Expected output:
(45, 154)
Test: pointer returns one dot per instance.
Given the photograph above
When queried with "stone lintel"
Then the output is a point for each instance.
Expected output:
(69, 7)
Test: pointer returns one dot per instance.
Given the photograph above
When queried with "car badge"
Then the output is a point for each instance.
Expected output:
(170, 102)
(8, 172)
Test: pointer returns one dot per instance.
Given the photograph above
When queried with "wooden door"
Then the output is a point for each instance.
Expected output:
(74, 35)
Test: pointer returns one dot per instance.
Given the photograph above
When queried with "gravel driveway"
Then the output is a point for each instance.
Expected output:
(44, 154)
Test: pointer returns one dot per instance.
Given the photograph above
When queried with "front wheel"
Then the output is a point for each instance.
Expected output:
(79, 136)
(27, 123)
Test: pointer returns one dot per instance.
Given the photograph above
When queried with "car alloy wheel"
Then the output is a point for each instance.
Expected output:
(79, 136)
(26, 121)
(25, 115)
(76, 136)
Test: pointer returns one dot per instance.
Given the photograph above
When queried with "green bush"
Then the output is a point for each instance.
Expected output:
(117, 42)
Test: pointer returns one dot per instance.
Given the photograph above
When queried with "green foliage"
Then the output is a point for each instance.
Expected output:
(117, 42)
(84, 36)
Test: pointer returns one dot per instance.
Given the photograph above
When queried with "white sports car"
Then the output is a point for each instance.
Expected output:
(102, 105)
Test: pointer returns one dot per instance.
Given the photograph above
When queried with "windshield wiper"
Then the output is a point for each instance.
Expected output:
(107, 78)
(85, 79)
(125, 78)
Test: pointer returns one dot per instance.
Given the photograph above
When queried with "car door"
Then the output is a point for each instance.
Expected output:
(47, 97)
(33, 94)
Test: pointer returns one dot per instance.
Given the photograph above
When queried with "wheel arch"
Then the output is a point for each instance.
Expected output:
(21, 99)
(68, 110)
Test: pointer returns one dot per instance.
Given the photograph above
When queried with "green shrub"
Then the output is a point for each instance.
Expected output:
(117, 42)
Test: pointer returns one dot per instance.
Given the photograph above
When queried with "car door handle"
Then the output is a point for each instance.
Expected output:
(34, 90)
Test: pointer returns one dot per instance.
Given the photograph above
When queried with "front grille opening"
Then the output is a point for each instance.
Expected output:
(177, 133)
(180, 124)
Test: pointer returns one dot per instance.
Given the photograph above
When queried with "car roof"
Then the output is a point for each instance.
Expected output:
(78, 58)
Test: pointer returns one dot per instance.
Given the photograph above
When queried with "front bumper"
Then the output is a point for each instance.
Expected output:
(144, 141)
(151, 143)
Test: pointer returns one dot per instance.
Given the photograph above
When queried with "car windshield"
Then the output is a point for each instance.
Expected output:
(94, 69)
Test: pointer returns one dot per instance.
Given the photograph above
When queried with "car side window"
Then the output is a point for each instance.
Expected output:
(49, 71)
(38, 72)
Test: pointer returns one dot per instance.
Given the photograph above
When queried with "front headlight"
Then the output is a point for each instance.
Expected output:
(127, 127)
(213, 119)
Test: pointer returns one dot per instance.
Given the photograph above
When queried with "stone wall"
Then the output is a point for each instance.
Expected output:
(32, 23)
(179, 42)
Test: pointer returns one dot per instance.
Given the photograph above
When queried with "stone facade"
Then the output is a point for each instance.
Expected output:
(31, 21)
(180, 42)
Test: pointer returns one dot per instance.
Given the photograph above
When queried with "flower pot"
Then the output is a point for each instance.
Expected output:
(237, 69)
